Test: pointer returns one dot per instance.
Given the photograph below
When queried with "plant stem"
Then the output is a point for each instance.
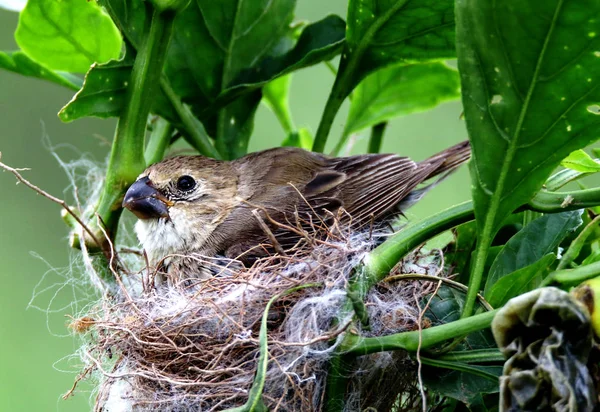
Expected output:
(573, 276)
(347, 77)
(127, 154)
(340, 90)
(357, 345)
(473, 356)
(552, 202)
(192, 129)
(376, 137)
(383, 258)
(158, 141)
(461, 367)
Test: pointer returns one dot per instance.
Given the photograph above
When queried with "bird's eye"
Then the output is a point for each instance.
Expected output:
(186, 183)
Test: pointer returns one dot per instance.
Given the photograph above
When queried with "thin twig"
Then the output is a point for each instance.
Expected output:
(62, 203)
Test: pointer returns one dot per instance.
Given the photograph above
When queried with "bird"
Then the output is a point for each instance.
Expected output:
(189, 206)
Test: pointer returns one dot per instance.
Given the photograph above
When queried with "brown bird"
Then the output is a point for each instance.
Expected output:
(198, 205)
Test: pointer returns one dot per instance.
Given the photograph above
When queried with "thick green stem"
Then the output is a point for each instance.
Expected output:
(158, 141)
(357, 345)
(376, 137)
(127, 154)
(473, 356)
(552, 202)
(384, 257)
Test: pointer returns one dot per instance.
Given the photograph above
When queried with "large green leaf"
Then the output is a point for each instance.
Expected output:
(520, 281)
(19, 62)
(67, 35)
(383, 32)
(208, 76)
(529, 245)
(530, 80)
(530, 75)
(400, 90)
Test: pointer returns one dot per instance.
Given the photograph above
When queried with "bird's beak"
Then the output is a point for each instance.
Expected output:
(145, 201)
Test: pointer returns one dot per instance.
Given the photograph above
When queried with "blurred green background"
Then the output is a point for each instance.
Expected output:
(35, 349)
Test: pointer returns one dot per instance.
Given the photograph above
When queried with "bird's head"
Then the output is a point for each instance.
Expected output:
(179, 202)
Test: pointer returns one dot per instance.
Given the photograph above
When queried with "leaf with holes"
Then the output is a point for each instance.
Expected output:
(19, 62)
(67, 35)
(530, 74)
(400, 90)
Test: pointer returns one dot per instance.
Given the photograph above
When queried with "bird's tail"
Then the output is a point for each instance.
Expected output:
(446, 160)
(440, 165)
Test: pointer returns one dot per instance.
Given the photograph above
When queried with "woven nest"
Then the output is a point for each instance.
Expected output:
(168, 346)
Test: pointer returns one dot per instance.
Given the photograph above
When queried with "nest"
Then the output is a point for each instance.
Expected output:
(179, 346)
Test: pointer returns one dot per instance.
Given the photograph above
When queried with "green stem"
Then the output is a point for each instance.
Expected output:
(561, 178)
(340, 90)
(552, 202)
(357, 345)
(575, 247)
(192, 129)
(347, 78)
(127, 154)
(474, 356)
(461, 367)
(573, 276)
(376, 137)
(337, 382)
(383, 258)
(158, 141)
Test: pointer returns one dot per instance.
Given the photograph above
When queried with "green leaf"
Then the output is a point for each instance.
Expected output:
(302, 138)
(520, 281)
(276, 97)
(383, 32)
(104, 92)
(210, 65)
(463, 386)
(19, 62)
(536, 240)
(400, 90)
(529, 95)
(236, 122)
(67, 35)
(580, 161)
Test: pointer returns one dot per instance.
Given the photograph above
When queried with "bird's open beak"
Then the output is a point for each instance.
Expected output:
(145, 201)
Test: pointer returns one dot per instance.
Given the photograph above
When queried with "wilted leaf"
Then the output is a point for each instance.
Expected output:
(530, 244)
(19, 62)
(580, 161)
(400, 90)
(528, 92)
(67, 35)
(547, 338)
(520, 281)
